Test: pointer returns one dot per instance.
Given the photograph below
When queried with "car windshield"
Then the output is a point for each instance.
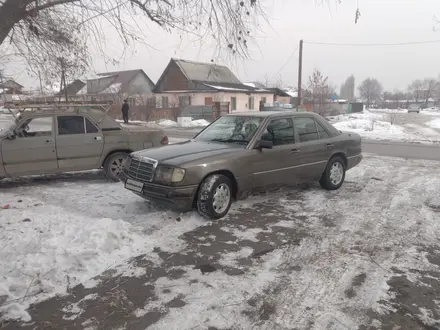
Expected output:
(7, 121)
(231, 129)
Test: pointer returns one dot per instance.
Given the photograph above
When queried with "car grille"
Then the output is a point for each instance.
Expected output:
(142, 170)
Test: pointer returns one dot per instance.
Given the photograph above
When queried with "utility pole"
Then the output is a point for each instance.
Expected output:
(300, 72)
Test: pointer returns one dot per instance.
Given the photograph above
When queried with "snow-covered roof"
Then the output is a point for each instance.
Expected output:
(291, 93)
(208, 72)
(227, 88)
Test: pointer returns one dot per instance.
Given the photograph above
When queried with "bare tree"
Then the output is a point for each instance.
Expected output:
(370, 90)
(320, 90)
(416, 89)
(36, 30)
(430, 85)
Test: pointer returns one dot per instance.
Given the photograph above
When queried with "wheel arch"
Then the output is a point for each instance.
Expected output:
(342, 155)
(109, 154)
(226, 173)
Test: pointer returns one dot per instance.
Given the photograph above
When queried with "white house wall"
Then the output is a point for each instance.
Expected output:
(242, 98)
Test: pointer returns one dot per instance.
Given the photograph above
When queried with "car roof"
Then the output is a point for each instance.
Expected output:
(102, 119)
(271, 114)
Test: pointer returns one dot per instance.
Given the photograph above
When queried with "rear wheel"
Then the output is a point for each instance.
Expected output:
(114, 164)
(215, 197)
(334, 174)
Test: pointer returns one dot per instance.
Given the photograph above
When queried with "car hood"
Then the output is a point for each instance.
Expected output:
(188, 151)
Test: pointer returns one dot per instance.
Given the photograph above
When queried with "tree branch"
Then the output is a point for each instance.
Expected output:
(50, 4)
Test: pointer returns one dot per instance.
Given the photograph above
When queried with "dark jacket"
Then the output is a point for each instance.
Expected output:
(125, 107)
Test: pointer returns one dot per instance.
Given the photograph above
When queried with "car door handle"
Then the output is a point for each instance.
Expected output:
(48, 141)
(294, 151)
(329, 145)
(97, 138)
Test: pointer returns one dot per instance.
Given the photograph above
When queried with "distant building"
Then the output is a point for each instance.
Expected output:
(194, 85)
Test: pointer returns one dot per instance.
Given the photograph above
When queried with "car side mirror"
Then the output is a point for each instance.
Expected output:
(264, 144)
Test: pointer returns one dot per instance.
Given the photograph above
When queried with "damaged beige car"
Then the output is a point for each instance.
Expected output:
(51, 139)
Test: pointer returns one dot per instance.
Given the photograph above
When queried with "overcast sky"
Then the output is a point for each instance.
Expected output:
(382, 21)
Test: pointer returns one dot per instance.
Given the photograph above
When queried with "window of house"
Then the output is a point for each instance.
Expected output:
(233, 103)
(251, 103)
(184, 101)
(323, 134)
(41, 126)
(263, 100)
(306, 128)
(164, 101)
(70, 125)
(279, 131)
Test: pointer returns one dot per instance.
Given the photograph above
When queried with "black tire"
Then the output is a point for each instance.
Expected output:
(326, 180)
(113, 165)
(205, 196)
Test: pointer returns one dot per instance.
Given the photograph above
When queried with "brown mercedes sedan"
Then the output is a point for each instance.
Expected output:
(239, 154)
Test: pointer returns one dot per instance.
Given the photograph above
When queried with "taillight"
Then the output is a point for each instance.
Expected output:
(164, 140)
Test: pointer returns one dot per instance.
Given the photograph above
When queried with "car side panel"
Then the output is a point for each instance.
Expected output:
(30, 155)
(77, 152)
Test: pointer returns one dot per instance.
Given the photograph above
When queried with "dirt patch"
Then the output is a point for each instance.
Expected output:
(409, 302)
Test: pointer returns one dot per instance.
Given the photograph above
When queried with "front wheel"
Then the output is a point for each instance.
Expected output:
(334, 174)
(114, 164)
(215, 197)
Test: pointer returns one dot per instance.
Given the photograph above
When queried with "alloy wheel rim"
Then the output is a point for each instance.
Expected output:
(336, 173)
(221, 198)
(116, 166)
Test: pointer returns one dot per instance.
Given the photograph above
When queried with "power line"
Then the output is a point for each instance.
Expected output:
(288, 60)
(374, 45)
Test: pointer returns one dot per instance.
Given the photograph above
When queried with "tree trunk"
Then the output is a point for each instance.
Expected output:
(11, 12)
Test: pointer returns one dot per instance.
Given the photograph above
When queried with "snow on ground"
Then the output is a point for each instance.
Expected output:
(376, 126)
(433, 111)
(168, 123)
(370, 125)
(434, 123)
(356, 236)
(57, 235)
(193, 123)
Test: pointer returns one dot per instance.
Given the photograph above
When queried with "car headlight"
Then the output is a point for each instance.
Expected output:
(169, 174)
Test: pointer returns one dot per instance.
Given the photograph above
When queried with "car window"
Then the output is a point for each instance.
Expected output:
(279, 131)
(70, 125)
(41, 126)
(231, 129)
(322, 132)
(90, 127)
(306, 128)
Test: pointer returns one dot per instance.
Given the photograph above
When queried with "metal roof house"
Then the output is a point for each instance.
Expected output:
(128, 82)
(206, 83)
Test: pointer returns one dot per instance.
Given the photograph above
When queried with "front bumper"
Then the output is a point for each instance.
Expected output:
(176, 198)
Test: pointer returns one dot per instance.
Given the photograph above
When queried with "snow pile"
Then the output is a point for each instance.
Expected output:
(167, 123)
(434, 123)
(199, 123)
(385, 110)
(52, 239)
(431, 111)
(371, 126)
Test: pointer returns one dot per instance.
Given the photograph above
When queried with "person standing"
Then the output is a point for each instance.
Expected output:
(125, 108)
